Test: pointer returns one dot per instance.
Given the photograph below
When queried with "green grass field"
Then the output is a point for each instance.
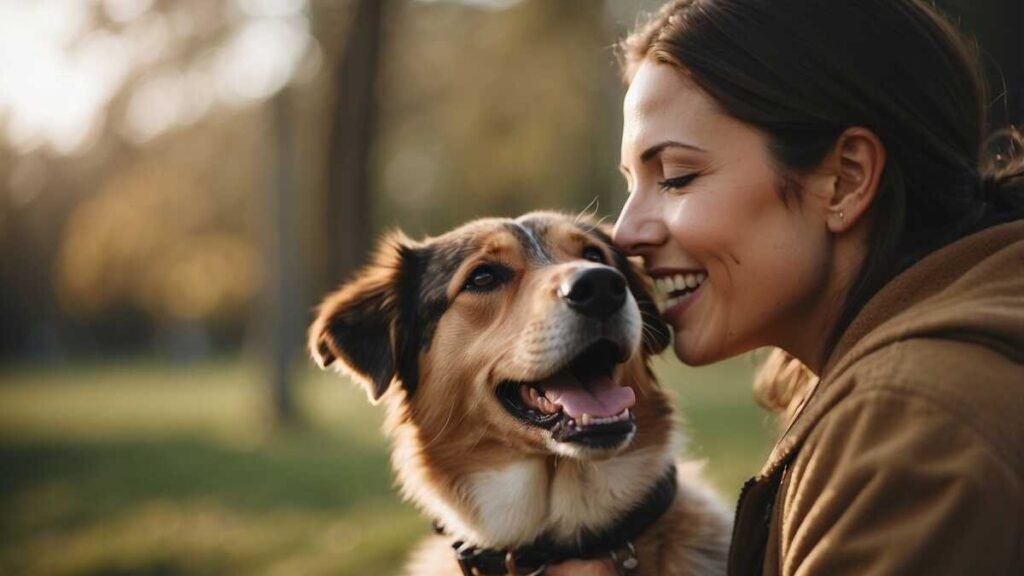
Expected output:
(148, 469)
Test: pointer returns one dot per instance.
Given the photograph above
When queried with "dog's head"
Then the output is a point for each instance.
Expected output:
(530, 334)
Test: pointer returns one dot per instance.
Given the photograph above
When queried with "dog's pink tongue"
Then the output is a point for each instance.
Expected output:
(599, 396)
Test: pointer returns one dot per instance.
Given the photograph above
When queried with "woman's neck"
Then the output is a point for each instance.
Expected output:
(809, 340)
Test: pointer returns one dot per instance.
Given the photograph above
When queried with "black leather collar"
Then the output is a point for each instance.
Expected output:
(615, 542)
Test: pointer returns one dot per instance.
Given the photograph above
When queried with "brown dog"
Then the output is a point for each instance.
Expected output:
(512, 358)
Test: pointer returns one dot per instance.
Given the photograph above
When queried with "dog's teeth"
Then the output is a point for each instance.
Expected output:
(588, 420)
(547, 406)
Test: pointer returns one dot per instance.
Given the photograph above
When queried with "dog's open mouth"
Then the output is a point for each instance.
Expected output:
(581, 403)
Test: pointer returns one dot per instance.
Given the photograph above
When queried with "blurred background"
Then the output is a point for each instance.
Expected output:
(182, 180)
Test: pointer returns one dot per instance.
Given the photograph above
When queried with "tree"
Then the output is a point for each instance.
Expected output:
(348, 211)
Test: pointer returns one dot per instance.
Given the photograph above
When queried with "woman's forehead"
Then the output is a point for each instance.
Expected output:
(663, 103)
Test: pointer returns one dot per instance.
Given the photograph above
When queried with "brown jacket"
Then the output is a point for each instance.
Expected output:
(908, 458)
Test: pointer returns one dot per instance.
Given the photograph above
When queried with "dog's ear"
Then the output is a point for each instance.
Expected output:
(656, 333)
(355, 326)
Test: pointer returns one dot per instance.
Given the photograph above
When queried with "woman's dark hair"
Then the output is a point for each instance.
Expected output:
(803, 71)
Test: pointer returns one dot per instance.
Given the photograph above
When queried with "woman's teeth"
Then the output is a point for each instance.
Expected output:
(669, 290)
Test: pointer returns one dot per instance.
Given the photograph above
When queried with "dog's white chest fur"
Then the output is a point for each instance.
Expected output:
(594, 494)
(511, 502)
(519, 502)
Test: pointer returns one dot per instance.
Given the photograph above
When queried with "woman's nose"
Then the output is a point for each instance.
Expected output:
(640, 227)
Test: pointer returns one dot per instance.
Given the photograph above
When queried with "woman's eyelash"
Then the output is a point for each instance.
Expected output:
(677, 182)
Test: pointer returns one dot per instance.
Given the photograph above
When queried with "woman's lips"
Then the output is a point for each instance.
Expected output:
(673, 288)
(676, 306)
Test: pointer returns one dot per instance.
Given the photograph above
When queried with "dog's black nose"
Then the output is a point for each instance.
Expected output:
(594, 292)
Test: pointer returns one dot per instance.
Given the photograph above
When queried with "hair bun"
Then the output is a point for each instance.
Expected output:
(1002, 169)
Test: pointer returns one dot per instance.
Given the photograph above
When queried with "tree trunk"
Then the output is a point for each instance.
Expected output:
(285, 317)
(352, 133)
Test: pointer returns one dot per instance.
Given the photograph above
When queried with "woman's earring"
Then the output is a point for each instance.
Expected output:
(842, 216)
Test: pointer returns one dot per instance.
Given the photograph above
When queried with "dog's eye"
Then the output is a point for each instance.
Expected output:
(483, 278)
(594, 254)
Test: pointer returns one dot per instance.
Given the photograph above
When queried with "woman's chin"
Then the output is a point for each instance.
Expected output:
(700, 348)
(692, 353)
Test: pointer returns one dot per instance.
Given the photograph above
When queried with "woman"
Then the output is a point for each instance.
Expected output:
(821, 163)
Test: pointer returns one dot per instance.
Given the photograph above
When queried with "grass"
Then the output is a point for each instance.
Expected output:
(150, 469)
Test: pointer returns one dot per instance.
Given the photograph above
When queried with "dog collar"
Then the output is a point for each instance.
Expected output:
(615, 543)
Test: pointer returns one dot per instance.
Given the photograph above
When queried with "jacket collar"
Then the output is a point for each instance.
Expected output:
(884, 320)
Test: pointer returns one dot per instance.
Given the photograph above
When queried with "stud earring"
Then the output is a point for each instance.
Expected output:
(842, 216)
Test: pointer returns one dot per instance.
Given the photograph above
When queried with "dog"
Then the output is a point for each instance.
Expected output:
(512, 356)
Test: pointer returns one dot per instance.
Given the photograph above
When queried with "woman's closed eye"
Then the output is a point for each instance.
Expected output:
(677, 182)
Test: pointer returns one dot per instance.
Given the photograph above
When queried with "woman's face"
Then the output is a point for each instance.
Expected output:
(736, 267)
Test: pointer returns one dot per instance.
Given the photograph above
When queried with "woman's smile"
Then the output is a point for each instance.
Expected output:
(676, 290)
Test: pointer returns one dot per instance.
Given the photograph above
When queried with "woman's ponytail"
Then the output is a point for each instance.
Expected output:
(1001, 181)
(781, 383)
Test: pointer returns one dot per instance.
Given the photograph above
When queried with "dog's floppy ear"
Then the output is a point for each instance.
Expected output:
(355, 325)
(656, 334)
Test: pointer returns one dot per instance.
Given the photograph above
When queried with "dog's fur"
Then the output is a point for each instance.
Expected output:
(434, 353)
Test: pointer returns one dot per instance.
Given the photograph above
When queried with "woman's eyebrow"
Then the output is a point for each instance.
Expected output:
(657, 148)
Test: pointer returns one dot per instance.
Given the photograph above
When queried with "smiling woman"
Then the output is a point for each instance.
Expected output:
(809, 175)
(717, 198)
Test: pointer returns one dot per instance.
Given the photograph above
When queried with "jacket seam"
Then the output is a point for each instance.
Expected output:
(899, 384)
(942, 406)
(902, 394)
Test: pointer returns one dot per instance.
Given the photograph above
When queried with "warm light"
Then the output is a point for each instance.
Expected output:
(57, 77)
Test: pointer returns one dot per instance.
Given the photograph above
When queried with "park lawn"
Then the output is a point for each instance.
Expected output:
(151, 469)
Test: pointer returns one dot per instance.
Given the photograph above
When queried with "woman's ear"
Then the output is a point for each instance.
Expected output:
(857, 161)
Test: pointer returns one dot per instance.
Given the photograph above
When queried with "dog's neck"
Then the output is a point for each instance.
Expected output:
(514, 503)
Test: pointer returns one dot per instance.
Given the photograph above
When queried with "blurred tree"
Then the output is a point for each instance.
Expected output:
(165, 233)
(353, 128)
(283, 305)
(497, 112)
(157, 231)
(148, 217)
(153, 226)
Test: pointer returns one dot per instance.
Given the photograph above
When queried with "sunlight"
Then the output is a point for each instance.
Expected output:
(57, 78)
